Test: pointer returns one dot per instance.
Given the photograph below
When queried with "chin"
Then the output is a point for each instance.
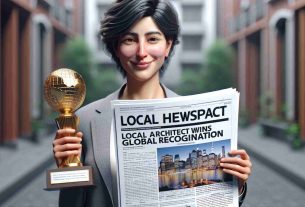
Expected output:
(143, 76)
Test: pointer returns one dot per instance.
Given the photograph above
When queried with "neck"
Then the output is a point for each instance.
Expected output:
(143, 90)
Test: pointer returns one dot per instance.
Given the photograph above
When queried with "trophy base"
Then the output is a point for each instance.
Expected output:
(69, 177)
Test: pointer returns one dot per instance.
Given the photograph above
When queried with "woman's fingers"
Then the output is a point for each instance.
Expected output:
(238, 165)
(67, 143)
(67, 147)
(64, 132)
(235, 160)
(66, 150)
(79, 134)
(64, 140)
(65, 154)
(241, 176)
(242, 153)
(235, 167)
(64, 136)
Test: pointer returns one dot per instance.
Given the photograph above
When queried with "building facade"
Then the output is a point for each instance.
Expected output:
(197, 20)
(268, 38)
(32, 34)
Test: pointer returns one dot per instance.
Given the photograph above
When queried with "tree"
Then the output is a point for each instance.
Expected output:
(191, 82)
(218, 73)
(77, 56)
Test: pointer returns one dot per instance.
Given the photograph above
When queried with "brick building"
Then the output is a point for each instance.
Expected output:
(32, 33)
(269, 40)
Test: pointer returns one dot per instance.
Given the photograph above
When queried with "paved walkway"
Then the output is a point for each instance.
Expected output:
(19, 166)
(276, 154)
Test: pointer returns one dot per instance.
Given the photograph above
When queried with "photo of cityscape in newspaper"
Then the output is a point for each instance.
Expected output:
(192, 165)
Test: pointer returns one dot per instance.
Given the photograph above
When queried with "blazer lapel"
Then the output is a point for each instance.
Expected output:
(100, 128)
(168, 93)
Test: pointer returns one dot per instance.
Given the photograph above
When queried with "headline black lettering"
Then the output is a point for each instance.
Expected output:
(194, 115)
(174, 117)
(140, 120)
(170, 136)
(191, 137)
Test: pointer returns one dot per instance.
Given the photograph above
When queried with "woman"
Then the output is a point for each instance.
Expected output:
(140, 36)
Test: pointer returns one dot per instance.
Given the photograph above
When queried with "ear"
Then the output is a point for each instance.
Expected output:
(168, 47)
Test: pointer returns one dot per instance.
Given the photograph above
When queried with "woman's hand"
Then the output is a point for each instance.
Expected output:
(66, 143)
(238, 165)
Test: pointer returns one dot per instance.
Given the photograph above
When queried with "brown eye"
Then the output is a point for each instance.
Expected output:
(153, 39)
(128, 41)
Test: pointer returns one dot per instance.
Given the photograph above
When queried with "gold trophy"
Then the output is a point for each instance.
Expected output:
(65, 91)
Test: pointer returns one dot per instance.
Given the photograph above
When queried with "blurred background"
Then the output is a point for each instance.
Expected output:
(256, 46)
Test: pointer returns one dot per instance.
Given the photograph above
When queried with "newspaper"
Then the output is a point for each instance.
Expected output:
(166, 152)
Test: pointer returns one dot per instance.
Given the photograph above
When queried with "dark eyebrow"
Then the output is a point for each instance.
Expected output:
(131, 34)
(152, 33)
(146, 34)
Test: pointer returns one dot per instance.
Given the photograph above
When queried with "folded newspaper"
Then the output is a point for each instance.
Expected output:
(166, 152)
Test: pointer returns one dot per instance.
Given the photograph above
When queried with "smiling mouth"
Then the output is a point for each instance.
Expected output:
(142, 65)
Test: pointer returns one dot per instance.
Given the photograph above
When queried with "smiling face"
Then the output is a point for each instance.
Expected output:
(142, 51)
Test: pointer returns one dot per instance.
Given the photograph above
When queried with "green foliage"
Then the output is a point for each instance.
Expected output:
(244, 119)
(215, 75)
(293, 129)
(191, 83)
(297, 144)
(218, 73)
(104, 83)
(266, 102)
(37, 125)
(77, 56)
(293, 132)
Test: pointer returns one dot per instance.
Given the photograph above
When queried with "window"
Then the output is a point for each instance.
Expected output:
(68, 18)
(192, 42)
(192, 13)
(191, 66)
(102, 8)
(55, 9)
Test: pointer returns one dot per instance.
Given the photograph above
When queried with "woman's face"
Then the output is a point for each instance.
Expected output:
(142, 51)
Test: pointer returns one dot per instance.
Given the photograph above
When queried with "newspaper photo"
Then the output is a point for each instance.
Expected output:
(166, 152)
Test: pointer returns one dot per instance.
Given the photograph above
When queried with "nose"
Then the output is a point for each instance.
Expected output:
(141, 54)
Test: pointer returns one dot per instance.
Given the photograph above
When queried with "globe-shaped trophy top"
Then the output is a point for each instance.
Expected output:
(65, 90)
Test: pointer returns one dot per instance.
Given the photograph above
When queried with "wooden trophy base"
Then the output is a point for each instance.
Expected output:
(69, 177)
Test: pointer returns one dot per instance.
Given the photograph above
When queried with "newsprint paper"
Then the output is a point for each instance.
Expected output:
(166, 152)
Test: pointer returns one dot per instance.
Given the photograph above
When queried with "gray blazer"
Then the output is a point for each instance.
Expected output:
(95, 124)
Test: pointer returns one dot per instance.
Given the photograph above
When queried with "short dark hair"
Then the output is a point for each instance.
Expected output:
(123, 14)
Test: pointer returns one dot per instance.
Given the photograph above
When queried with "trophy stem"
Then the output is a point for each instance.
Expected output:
(71, 121)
